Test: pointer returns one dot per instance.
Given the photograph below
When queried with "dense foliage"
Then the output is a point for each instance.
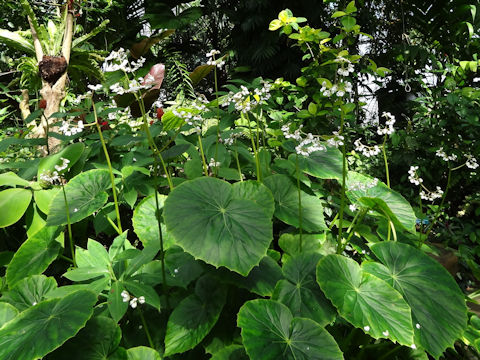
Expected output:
(307, 191)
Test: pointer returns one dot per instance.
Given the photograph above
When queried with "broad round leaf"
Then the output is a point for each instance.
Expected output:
(145, 222)
(14, 203)
(85, 195)
(208, 222)
(143, 353)
(71, 152)
(96, 341)
(194, 317)
(34, 256)
(285, 193)
(326, 164)
(364, 300)
(30, 291)
(384, 200)
(7, 313)
(12, 179)
(257, 192)
(44, 327)
(300, 292)
(270, 332)
(438, 305)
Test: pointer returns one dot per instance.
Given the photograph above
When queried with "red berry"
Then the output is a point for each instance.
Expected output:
(105, 125)
(151, 122)
(159, 113)
(42, 104)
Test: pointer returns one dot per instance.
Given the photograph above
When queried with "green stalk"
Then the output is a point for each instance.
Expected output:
(357, 219)
(69, 225)
(218, 117)
(110, 169)
(238, 162)
(205, 167)
(257, 160)
(145, 326)
(344, 175)
(387, 174)
(299, 202)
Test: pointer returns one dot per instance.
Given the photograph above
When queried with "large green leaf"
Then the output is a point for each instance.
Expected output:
(85, 195)
(42, 328)
(34, 256)
(143, 353)
(257, 192)
(30, 291)
(43, 198)
(270, 332)
(285, 193)
(97, 340)
(321, 164)
(231, 352)
(364, 300)
(383, 200)
(145, 222)
(7, 313)
(299, 291)
(438, 305)
(14, 203)
(71, 152)
(17, 41)
(11, 179)
(208, 222)
(194, 317)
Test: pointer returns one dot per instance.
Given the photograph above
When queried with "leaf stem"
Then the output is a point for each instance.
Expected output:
(344, 176)
(145, 327)
(205, 167)
(69, 226)
(110, 169)
(299, 202)
(387, 174)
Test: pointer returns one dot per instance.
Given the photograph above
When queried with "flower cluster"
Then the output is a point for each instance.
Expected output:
(134, 85)
(388, 129)
(413, 176)
(126, 297)
(361, 186)
(118, 60)
(306, 145)
(471, 162)
(64, 165)
(367, 151)
(340, 90)
(213, 163)
(212, 61)
(431, 195)
(52, 178)
(336, 140)
(244, 100)
(346, 71)
(441, 154)
(69, 130)
(192, 119)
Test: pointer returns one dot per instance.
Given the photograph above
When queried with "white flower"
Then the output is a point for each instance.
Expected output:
(366, 328)
(141, 299)
(385, 333)
(353, 207)
(413, 176)
(367, 151)
(336, 140)
(95, 87)
(125, 296)
(133, 303)
(431, 195)
(471, 162)
(213, 163)
(389, 129)
(441, 154)
(309, 145)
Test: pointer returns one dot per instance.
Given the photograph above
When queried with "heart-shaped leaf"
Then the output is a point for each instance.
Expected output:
(30, 291)
(143, 353)
(42, 328)
(270, 332)
(364, 300)
(366, 192)
(208, 222)
(438, 306)
(85, 194)
(326, 164)
(299, 291)
(14, 203)
(287, 206)
(34, 256)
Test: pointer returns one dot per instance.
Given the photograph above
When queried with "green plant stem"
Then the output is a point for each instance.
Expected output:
(356, 220)
(218, 118)
(66, 258)
(156, 153)
(344, 176)
(387, 174)
(110, 169)
(254, 148)
(332, 224)
(238, 162)
(69, 226)
(299, 203)
(145, 327)
(205, 167)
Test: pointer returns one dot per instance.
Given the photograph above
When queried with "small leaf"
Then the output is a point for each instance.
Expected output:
(338, 14)
(14, 203)
(116, 306)
(143, 353)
